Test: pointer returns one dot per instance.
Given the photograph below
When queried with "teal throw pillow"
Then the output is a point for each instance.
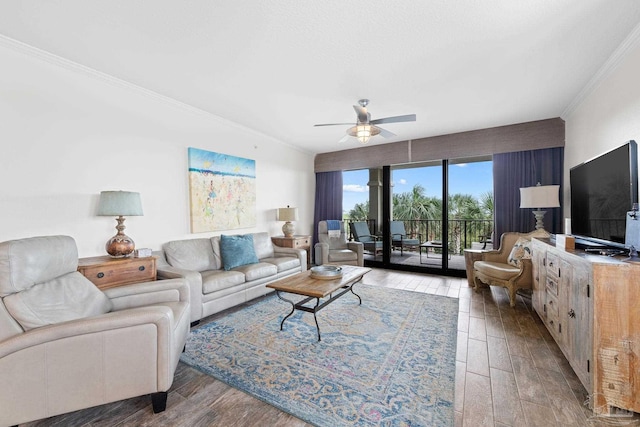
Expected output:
(237, 250)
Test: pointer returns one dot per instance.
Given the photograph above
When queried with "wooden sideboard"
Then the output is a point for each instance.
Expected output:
(591, 306)
(106, 272)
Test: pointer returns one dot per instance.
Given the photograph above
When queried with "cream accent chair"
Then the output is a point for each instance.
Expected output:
(65, 345)
(494, 268)
(336, 250)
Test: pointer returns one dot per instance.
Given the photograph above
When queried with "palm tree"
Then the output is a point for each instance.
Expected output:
(486, 203)
(410, 205)
(461, 207)
(360, 212)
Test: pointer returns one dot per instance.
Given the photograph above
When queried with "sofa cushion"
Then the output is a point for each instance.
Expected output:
(339, 255)
(237, 250)
(521, 250)
(263, 245)
(284, 263)
(68, 297)
(190, 254)
(257, 271)
(498, 270)
(217, 280)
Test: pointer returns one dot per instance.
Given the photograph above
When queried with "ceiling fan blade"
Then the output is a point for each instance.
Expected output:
(363, 116)
(335, 124)
(395, 119)
(344, 138)
(385, 133)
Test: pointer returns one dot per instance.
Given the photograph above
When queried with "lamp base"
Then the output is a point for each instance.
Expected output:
(539, 215)
(288, 229)
(120, 245)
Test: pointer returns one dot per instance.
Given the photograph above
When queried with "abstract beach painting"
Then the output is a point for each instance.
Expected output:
(222, 191)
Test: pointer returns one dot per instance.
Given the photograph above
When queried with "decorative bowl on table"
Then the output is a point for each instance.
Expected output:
(326, 272)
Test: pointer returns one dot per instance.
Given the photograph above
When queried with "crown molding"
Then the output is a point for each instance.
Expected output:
(74, 67)
(610, 65)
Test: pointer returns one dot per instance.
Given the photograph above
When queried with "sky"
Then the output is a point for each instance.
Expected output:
(465, 178)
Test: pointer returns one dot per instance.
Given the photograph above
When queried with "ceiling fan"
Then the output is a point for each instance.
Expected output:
(365, 128)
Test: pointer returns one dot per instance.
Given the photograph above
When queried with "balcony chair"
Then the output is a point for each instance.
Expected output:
(360, 231)
(65, 345)
(399, 238)
(509, 266)
(336, 250)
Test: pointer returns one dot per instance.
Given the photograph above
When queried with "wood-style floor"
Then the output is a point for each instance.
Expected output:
(509, 372)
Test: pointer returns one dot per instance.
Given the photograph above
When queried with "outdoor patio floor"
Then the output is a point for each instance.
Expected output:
(433, 260)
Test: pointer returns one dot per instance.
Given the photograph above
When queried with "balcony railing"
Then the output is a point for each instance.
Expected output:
(462, 232)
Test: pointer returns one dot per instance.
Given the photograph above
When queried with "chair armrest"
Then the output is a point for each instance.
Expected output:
(159, 316)
(301, 254)
(321, 253)
(526, 271)
(358, 248)
(148, 293)
(494, 256)
(109, 357)
(370, 235)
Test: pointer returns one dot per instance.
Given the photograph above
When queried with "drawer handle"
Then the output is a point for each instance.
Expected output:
(100, 275)
(141, 268)
(572, 313)
(550, 302)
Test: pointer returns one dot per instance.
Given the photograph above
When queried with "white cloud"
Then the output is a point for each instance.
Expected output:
(462, 165)
(402, 182)
(355, 188)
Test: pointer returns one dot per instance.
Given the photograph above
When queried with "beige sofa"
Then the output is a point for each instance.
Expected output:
(212, 288)
(65, 345)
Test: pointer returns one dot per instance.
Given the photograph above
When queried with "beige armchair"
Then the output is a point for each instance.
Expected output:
(336, 250)
(65, 345)
(505, 267)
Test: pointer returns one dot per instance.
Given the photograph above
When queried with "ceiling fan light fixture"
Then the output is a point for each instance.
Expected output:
(363, 132)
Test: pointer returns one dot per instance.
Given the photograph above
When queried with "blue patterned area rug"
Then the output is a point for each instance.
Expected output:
(389, 361)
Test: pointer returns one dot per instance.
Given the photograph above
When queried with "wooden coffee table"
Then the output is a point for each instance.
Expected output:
(312, 288)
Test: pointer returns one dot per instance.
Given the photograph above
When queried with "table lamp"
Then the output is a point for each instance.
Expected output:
(288, 214)
(538, 197)
(118, 204)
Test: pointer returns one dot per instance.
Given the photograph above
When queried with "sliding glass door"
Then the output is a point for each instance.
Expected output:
(406, 221)
(416, 226)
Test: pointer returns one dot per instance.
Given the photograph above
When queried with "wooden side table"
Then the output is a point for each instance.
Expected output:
(106, 272)
(297, 241)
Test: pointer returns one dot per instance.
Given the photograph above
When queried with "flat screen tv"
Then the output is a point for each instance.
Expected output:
(603, 190)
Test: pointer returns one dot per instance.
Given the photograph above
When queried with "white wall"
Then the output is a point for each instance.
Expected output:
(67, 133)
(609, 115)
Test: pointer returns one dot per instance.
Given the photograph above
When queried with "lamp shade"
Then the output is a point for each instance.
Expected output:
(540, 196)
(287, 214)
(119, 203)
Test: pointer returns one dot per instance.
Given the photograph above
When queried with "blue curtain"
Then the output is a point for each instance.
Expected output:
(525, 169)
(328, 203)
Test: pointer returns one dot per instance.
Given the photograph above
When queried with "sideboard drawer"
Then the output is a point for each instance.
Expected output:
(553, 265)
(117, 272)
(552, 286)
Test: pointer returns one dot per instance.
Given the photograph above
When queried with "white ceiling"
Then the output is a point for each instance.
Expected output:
(279, 67)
